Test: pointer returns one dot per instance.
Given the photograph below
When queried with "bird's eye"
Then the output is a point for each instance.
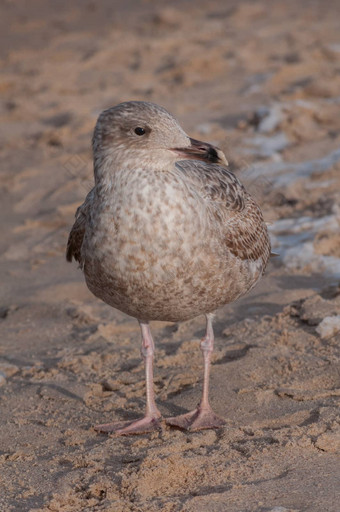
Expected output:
(139, 130)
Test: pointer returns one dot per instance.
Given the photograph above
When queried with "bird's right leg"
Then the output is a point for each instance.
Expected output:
(152, 418)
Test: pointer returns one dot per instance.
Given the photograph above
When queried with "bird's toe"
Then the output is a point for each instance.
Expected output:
(126, 428)
(198, 419)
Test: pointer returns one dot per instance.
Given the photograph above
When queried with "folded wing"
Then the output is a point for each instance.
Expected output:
(231, 208)
(76, 236)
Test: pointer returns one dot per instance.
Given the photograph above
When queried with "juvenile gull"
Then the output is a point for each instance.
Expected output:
(167, 233)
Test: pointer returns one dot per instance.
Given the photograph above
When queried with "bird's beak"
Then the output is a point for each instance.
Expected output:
(202, 151)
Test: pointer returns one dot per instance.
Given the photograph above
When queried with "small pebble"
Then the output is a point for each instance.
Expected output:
(329, 326)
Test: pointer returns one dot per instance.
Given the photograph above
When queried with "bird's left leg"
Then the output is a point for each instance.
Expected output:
(203, 416)
(151, 420)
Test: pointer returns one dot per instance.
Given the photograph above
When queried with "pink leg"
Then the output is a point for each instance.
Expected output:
(203, 416)
(151, 420)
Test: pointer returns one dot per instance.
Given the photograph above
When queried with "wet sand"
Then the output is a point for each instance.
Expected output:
(263, 84)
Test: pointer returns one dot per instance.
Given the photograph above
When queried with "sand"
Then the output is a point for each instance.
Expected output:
(261, 80)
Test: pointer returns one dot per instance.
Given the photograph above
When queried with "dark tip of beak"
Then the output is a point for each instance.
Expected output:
(199, 150)
(208, 151)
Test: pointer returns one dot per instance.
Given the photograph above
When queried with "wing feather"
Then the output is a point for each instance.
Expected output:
(76, 236)
(244, 229)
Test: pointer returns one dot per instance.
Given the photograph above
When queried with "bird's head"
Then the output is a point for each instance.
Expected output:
(137, 133)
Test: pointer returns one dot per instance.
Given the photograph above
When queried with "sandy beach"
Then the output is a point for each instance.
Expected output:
(261, 80)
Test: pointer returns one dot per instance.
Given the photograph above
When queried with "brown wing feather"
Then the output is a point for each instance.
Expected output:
(76, 236)
(246, 233)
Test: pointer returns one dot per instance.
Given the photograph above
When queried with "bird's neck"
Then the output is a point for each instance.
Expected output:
(109, 164)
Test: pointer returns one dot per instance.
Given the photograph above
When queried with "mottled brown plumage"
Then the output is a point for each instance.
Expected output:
(76, 236)
(165, 234)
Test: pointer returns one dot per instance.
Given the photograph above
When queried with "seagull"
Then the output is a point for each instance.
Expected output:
(166, 233)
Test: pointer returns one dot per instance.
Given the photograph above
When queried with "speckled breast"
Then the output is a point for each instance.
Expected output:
(151, 250)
